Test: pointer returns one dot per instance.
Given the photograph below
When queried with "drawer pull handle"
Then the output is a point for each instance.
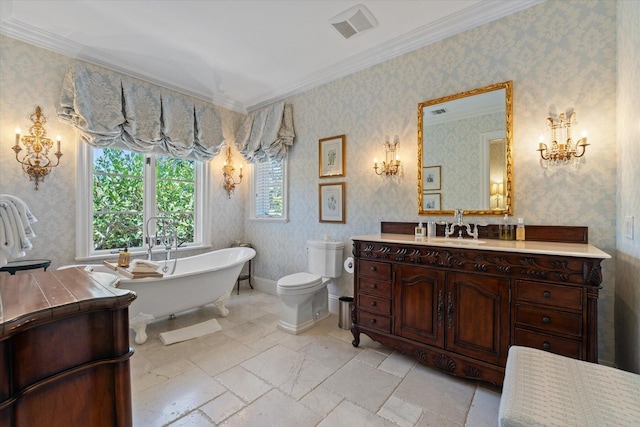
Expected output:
(373, 269)
(373, 286)
(373, 304)
(372, 321)
(546, 294)
(546, 346)
(545, 319)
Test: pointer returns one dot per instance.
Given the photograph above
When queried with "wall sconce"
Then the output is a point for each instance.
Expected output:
(497, 190)
(391, 166)
(35, 162)
(229, 183)
(563, 150)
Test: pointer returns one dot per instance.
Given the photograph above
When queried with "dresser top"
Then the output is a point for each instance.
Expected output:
(39, 297)
(527, 247)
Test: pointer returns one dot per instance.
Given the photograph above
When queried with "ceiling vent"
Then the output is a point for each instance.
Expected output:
(354, 21)
(439, 111)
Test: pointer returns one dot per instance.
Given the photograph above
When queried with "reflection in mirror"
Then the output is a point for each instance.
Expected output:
(465, 152)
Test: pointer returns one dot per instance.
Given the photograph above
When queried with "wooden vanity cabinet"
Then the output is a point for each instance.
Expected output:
(64, 351)
(459, 310)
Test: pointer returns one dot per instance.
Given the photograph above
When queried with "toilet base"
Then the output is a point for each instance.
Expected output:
(305, 326)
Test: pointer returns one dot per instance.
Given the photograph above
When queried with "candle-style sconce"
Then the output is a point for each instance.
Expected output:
(36, 162)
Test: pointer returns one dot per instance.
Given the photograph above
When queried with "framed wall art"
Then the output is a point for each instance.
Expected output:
(332, 158)
(332, 202)
(431, 201)
(431, 178)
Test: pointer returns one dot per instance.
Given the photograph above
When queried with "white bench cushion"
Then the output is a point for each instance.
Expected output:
(545, 389)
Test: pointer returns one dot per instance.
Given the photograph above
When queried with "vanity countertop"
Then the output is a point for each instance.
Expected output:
(531, 247)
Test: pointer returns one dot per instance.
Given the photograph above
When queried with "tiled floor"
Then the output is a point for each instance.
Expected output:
(253, 374)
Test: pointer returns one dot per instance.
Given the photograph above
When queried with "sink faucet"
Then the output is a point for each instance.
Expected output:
(457, 214)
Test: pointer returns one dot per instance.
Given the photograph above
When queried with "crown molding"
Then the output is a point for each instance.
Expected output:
(474, 16)
(37, 37)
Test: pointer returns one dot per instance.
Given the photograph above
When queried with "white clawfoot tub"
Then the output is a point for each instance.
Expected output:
(197, 280)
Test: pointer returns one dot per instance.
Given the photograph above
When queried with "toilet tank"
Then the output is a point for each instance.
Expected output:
(324, 258)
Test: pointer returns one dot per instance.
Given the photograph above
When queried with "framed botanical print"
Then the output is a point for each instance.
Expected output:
(331, 156)
(431, 178)
(332, 202)
(431, 201)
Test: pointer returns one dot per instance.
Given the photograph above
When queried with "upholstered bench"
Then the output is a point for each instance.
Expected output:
(544, 389)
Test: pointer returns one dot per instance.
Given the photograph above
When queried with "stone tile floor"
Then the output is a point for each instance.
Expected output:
(252, 374)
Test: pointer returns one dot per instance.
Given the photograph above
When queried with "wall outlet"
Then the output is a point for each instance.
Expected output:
(628, 227)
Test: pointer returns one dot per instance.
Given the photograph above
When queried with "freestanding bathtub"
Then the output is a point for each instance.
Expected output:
(197, 280)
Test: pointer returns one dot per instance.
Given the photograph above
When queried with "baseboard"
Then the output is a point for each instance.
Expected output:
(264, 285)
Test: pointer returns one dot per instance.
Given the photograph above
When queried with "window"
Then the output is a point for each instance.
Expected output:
(269, 190)
(119, 190)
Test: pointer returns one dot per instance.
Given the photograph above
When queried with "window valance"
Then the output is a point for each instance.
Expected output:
(266, 134)
(110, 109)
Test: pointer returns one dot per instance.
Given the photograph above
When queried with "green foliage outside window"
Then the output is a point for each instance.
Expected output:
(118, 197)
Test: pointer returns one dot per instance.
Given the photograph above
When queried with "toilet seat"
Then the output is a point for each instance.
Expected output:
(299, 282)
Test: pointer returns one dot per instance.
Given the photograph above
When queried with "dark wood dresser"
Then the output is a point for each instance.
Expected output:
(64, 351)
(459, 306)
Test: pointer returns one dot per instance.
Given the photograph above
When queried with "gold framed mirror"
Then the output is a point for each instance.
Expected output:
(465, 152)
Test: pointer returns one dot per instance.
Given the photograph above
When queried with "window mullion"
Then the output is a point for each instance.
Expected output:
(150, 188)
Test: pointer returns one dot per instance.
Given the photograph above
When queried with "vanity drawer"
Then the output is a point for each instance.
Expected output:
(549, 320)
(374, 321)
(380, 270)
(374, 304)
(555, 345)
(566, 297)
(374, 287)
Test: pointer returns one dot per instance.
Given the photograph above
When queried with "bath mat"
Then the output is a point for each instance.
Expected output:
(190, 332)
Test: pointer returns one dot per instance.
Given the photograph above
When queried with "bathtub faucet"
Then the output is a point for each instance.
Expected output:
(165, 233)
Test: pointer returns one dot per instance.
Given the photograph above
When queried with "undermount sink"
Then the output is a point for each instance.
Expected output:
(454, 241)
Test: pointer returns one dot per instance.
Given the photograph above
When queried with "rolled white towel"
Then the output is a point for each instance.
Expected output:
(26, 217)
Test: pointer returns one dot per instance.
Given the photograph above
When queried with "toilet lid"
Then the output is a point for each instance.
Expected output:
(299, 281)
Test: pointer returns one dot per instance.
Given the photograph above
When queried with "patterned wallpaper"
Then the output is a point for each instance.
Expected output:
(559, 52)
(627, 300)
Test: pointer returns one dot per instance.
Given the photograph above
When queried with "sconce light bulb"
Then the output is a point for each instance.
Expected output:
(585, 133)
(58, 138)
(541, 139)
(17, 131)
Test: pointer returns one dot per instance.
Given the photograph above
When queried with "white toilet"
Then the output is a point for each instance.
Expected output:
(304, 296)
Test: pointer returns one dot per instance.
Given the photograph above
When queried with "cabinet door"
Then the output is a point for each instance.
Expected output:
(419, 304)
(477, 320)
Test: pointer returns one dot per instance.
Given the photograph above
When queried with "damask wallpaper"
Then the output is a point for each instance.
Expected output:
(627, 298)
(559, 52)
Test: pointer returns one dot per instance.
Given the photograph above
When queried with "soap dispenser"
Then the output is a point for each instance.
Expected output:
(419, 230)
(125, 258)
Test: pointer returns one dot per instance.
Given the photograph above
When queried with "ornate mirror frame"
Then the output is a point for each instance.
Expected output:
(508, 187)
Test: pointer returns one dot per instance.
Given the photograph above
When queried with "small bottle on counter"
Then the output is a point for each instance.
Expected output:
(431, 229)
(506, 229)
(419, 230)
(520, 229)
(124, 258)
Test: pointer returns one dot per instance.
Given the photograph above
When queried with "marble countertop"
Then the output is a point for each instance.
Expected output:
(531, 247)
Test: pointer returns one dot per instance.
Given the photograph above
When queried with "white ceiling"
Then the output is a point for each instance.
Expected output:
(239, 54)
